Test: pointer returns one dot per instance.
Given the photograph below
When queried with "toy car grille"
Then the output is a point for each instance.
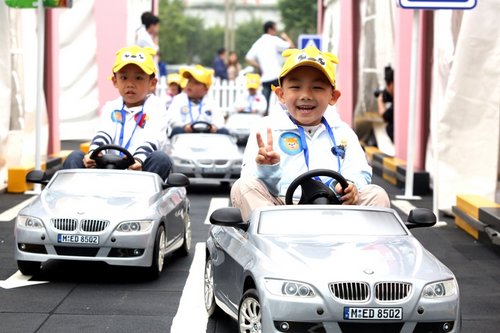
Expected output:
(211, 163)
(93, 225)
(64, 224)
(350, 291)
(392, 291)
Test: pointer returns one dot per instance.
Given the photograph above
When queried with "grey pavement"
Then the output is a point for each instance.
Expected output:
(47, 309)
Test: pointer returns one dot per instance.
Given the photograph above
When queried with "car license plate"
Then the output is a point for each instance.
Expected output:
(211, 170)
(373, 313)
(77, 239)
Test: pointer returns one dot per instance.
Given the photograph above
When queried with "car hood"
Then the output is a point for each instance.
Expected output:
(347, 257)
(186, 152)
(52, 204)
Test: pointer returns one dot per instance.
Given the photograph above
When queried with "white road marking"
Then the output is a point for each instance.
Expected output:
(11, 214)
(17, 280)
(406, 207)
(214, 204)
(192, 303)
(403, 205)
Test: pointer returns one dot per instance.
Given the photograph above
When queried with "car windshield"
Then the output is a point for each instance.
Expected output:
(314, 222)
(104, 184)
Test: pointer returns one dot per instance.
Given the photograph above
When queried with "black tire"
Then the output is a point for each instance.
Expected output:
(249, 313)
(211, 306)
(29, 267)
(157, 263)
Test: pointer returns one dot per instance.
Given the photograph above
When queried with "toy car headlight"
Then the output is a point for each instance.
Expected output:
(289, 288)
(181, 161)
(134, 226)
(29, 222)
(440, 289)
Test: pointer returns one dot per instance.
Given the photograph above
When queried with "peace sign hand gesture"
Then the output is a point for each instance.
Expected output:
(266, 154)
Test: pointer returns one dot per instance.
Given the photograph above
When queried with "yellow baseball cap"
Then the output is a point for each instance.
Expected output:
(176, 78)
(199, 73)
(253, 80)
(140, 56)
(309, 56)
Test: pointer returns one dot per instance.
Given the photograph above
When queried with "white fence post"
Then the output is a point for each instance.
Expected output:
(222, 91)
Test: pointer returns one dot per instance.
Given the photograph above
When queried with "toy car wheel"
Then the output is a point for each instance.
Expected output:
(186, 244)
(249, 313)
(29, 267)
(210, 305)
(159, 253)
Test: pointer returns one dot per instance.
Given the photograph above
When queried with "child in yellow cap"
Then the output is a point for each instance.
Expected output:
(175, 83)
(307, 135)
(193, 106)
(252, 100)
(136, 120)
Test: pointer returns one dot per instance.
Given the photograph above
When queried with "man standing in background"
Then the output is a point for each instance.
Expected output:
(219, 64)
(147, 34)
(265, 55)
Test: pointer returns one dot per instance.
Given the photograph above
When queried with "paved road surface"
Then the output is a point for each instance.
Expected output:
(84, 297)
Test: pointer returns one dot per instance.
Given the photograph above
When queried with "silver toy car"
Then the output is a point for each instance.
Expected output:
(120, 217)
(206, 157)
(327, 268)
(239, 125)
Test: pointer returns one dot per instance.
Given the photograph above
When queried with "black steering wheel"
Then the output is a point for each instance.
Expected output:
(315, 191)
(112, 161)
(201, 127)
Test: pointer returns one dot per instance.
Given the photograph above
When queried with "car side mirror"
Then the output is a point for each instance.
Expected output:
(228, 217)
(176, 180)
(37, 177)
(420, 217)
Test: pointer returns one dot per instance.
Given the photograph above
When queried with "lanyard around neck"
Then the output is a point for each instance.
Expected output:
(122, 131)
(304, 142)
(191, 112)
(250, 101)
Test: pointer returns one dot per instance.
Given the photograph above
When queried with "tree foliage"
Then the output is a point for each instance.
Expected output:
(185, 40)
(299, 17)
(246, 34)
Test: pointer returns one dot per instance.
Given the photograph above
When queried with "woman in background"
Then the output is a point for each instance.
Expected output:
(233, 66)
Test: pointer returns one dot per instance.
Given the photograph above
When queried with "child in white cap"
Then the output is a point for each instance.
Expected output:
(193, 106)
(305, 136)
(135, 120)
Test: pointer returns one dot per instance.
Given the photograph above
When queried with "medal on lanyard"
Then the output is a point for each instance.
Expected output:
(335, 150)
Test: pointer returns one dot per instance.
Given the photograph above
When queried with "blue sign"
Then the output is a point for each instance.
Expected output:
(438, 4)
(307, 40)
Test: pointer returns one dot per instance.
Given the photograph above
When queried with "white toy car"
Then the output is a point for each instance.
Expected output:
(206, 157)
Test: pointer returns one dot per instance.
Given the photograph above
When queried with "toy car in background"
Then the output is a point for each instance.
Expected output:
(240, 124)
(327, 268)
(206, 157)
(121, 217)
